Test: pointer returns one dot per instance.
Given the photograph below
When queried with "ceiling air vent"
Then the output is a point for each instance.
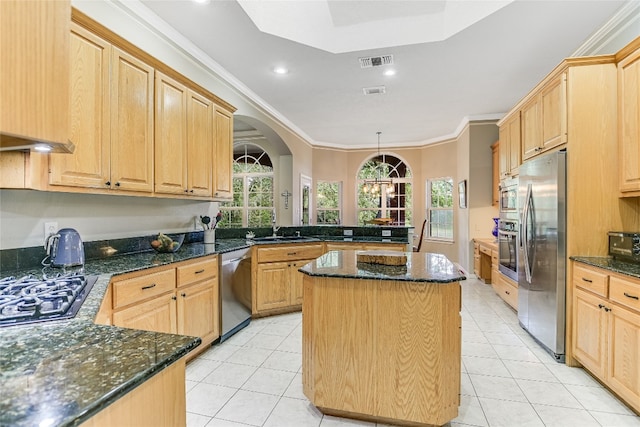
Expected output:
(375, 61)
(374, 90)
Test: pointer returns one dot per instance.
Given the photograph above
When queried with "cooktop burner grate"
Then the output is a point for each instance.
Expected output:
(32, 299)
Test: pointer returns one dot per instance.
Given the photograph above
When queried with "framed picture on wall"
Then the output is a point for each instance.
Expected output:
(462, 193)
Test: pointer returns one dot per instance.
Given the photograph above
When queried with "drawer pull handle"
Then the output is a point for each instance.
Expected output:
(507, 292)
(199, 271)
(153, 285)
(587, 280)
(291, 253)
(630, 296)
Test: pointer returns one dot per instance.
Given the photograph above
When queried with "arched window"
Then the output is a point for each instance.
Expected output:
(252, 202)
(384, 191)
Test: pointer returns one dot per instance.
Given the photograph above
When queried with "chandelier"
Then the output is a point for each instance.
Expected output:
(374, 186)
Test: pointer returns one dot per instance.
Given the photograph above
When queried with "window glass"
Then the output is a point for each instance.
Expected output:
(440, 208)
(384, 191)
(252, 202)
(328, 202)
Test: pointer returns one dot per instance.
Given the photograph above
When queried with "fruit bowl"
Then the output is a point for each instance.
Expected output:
(167, 243)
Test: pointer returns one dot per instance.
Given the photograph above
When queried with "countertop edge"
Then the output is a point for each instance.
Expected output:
(610, 264)
(103, 402)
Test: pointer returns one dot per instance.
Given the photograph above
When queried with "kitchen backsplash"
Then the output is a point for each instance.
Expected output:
(25, 258)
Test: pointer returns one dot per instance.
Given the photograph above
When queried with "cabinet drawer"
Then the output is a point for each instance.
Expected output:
(485, 250)
(509, 292)
(128, 291)
(591, 280)
(196, 271)
(624, 292)
(289, 252)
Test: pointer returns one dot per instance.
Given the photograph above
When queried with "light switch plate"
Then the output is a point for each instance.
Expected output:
(347, 232)
(386, 233)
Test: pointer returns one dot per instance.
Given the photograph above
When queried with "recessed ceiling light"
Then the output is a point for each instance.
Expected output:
(280, 70)
(390, 72)
(202, 1)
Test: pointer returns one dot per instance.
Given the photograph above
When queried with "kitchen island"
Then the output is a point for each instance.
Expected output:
(382, 343)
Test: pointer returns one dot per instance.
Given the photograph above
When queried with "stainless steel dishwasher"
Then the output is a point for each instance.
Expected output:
(235, 291)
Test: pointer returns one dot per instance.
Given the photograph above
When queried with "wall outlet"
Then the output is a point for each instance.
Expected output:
(347, 232)
(386, 233)
(49, 229)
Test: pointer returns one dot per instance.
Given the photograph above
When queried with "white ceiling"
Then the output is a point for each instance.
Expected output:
(473, 73)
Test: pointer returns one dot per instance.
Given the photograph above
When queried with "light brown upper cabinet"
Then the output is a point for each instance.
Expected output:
(629, 123)
(544, 118)
(223, 154)
(131, 123)
(509, 154)
(34, 65)
(184, 139)
(89, 165)
(111, 119)
(495, 173)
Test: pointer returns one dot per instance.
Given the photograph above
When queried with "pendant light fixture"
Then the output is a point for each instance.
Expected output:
(374, 186)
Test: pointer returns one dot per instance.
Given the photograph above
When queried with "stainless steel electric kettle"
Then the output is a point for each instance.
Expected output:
(65, 248)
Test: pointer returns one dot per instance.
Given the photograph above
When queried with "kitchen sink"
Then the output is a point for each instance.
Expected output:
(282, 239)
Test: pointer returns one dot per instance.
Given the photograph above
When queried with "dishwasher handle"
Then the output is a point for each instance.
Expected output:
(229, 261)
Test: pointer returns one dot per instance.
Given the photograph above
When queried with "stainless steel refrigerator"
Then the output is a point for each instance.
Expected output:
(542, 195)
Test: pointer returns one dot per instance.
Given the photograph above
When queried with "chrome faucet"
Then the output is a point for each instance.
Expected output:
(273, 222)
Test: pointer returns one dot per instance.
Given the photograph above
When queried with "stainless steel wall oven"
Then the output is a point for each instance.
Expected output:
(509, 229)
(508, 238)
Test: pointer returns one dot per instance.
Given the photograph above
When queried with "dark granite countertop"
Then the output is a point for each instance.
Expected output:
(608, 263)
(420, 267)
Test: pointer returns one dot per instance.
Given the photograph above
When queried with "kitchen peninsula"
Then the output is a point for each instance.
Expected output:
(382, 343)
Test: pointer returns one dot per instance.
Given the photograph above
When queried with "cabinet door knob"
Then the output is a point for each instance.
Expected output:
(117, 184)
(183, 295)
(174, 298)
(108, 183)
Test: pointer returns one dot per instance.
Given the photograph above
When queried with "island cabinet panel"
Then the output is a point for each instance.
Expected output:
(425, 342)
(345, 381)
(158, 402)
(394, 358)
(629, 123)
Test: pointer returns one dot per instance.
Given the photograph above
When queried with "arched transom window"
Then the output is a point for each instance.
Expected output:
(384, 191)
(252, 202)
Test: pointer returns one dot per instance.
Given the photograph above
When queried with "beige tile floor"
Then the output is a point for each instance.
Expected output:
(254, 378)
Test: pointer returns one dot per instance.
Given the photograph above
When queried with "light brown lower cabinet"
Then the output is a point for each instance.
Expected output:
(158, 402)
(606, 329)
(277, 283)
(506, 289)
(179, 299)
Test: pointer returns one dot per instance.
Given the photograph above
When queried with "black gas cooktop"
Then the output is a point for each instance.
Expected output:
(31, 299)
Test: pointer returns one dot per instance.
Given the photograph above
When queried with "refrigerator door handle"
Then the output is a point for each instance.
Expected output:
(525, 238)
